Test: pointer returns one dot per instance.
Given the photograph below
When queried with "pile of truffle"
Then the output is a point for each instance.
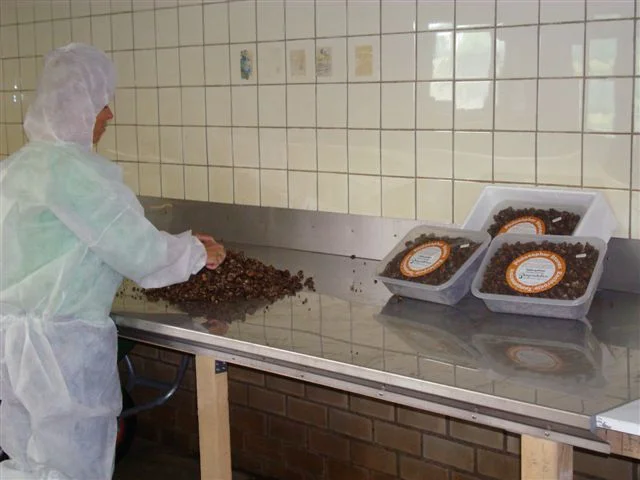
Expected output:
(461, 251)
(556, 222)
(580, 259)
(240, 283)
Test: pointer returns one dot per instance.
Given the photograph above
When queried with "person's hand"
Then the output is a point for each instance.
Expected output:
(215, 251)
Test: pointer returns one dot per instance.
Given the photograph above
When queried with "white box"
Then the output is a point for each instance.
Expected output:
(449, 292)
(597, 217)
(575, 309)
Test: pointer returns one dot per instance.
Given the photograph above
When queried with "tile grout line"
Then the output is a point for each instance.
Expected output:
(454, 55)
(182, 127)
(315, 70)
(633, 122)
(286, 97)
(380, 107)
(257, 87)
(416, 44)
(231, 126)
(536, 135)
(495, 91)
(347, 136)
(206, 117)
(583, 109)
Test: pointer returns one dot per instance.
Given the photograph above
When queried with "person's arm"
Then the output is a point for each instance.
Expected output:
(105, 215)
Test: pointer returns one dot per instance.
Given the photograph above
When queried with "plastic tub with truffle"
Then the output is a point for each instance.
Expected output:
(434, 264)
(550, 276)
(540, 211)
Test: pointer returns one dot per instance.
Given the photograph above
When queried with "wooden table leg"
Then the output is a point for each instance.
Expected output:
(545, 459)
(213, 419)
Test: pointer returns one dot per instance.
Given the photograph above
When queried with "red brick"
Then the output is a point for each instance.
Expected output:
(161, 372)
(464, 476)
(189, 381)
(350, 424)
(345, 471)
(307, 412)
(373, 458)
(248, 421)
(287, 431)
(285, 385)
(245, 461)
(498, 465)
(170, 356)
(146, 351)
(414, 469)
(266, 400)
(237, 439)
(327, 396)
(329, 444)
(246, 375)
(262, 446)
(513, 444)
(303, 461)
(448, 452)
(488, 437)
(372, 408)
(381, 476)
(421, 420)
(238, 393)
(606, 467)
(398, 438)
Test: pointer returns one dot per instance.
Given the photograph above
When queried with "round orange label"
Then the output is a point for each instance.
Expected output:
(528, 225)
(536, 271)
(534, 358)
(425, 258)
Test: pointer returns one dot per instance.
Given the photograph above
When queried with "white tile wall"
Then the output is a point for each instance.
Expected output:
(401, 108)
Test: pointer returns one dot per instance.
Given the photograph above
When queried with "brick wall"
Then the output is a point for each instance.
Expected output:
(287, 429)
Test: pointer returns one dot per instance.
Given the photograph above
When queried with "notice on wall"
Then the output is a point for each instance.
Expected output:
(364, 60)
(246, 64)
(298, 63)
(324, 62)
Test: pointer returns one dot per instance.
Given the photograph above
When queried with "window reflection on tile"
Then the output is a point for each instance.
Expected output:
(514, 157)
(475, 13)
(516, 12)
(561, 50)
(603, 9)
(552, 11)
(559, 158)
(435, 55)
(435, 14)
(607, 107)
(606, 161)
(435, 105)
(472, 157)
(517, 52)
(474, 105)
(610, 48)
(474, 54)
(434, 200)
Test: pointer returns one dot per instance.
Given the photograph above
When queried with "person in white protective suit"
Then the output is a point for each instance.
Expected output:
(70, 230)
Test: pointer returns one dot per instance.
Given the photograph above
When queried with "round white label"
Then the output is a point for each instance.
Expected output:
(536, 272)
(425, 258)
(525, 225)
(534, 358)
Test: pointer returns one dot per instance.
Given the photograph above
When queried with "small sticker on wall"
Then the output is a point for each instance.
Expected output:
(364, 60)
(298, 63)
(324, 62)
(246, 64)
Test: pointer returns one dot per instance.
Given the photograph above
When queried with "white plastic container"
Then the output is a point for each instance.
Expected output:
(450, 292)
(540, 307)
(597, 217)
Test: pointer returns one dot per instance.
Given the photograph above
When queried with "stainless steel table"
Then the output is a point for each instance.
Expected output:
(544, 379)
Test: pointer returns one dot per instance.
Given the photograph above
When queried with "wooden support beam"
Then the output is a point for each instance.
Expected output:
(213, 420)
(623, 444)
(545, 459)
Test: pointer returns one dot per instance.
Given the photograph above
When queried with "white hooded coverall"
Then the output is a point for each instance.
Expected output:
(69, 231)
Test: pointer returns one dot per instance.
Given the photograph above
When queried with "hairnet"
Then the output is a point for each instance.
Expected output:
(76, 83)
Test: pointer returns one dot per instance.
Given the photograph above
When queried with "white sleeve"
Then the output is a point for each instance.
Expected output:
(106, 216)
